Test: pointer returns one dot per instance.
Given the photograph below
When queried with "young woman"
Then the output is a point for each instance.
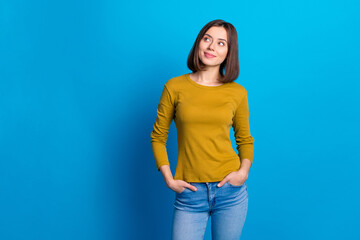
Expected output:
(210, 176)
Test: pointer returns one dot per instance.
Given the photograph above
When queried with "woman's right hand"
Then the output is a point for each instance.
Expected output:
(180, 185)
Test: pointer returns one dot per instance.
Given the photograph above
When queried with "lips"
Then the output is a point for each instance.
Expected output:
(209, 55)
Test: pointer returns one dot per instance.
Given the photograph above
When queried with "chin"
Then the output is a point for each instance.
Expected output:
(210, 63)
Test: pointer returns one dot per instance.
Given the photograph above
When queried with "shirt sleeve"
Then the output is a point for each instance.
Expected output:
(159, 135)
(243, 138)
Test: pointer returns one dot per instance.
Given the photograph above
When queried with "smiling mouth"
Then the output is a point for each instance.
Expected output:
(209, 55)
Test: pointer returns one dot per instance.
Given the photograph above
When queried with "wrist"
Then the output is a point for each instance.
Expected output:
(169, 181)
(243, 171)
(245, 165)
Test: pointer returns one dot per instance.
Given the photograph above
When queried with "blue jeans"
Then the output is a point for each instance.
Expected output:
(227, 206)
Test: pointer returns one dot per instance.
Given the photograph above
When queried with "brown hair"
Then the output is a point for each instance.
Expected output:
(231, 62)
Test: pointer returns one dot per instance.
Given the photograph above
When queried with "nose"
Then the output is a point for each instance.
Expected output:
(211, 46)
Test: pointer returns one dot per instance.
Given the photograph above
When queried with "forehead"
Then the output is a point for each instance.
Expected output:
(217, 32)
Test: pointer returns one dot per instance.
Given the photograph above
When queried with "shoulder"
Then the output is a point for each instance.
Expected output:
(175, 82)
(238, 92)
(239, 88)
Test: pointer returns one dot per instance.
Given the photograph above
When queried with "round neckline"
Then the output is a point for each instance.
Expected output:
(200, 85)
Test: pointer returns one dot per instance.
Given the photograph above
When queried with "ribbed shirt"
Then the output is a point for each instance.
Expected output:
(203, 116)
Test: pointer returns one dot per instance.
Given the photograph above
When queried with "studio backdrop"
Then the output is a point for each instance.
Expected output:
(79, 86)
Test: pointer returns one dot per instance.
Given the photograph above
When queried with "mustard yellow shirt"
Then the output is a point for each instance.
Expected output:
(203, 116)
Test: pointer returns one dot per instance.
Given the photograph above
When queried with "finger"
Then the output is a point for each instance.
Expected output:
(191, 187)
(222, 182)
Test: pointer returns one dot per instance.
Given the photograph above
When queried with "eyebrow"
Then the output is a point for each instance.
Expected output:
(212, 37)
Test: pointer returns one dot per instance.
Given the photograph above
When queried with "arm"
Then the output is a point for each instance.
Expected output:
(159, 135)
(244, 140)
(167, 175)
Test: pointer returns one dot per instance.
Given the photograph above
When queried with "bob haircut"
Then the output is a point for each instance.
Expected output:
(231, 62)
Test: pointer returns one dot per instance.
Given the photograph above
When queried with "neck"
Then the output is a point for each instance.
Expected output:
(208, 77)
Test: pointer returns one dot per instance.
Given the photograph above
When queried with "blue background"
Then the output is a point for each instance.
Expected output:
(79, 86)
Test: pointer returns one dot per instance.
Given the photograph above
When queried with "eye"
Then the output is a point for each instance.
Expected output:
(205, 38)
(222, 43)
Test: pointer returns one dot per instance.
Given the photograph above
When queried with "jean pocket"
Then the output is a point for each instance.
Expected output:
(236, 186)
(182, 191)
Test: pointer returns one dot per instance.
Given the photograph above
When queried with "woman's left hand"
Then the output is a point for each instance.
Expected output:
(236, 178)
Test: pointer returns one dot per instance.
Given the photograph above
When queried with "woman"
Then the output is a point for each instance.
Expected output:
(210, 176)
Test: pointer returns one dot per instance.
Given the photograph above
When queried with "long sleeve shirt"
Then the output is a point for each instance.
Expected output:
(203, 116)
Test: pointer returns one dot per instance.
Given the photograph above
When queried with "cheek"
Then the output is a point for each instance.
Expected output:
(201, 45)
(223, 52)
